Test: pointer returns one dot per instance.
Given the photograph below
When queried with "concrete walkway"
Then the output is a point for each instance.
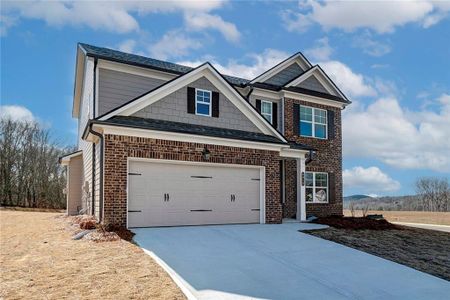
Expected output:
(278, 262)
(444, 228)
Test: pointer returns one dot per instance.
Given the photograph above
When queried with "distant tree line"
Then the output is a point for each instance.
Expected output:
(30, 175)
(432, 194)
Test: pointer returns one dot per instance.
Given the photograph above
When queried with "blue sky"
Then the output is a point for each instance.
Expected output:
(394, 64)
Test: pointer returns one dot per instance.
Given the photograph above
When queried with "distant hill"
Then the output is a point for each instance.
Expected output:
(406, 203)
(356, 197)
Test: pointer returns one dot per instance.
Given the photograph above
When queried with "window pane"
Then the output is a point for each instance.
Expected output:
(321, 179)
(268, 117)
(320, 116)
(305, 113)
(202, 109)
(309, 179)
(206, 97)
(309, 195)
(320, 131)
(305, 129)
(266, 108)
(321, 195)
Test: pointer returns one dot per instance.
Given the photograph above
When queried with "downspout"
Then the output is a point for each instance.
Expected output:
(100, 200)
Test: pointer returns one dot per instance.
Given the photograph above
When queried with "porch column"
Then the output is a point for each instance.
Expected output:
(301, 204)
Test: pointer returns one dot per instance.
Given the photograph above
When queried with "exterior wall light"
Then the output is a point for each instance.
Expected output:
(206, 154)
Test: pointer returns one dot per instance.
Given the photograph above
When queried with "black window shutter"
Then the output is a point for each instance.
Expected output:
(258, 105)
(296, 119)
(275, 115)
(330, 115)
(191, 100)
(331, 188)
(215, 104)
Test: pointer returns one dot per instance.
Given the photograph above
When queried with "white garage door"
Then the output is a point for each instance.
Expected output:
(170, 194)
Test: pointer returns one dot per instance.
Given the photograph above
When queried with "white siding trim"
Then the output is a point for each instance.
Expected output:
(189, 138)
(312, 99)
(298, 58)
(115, 66)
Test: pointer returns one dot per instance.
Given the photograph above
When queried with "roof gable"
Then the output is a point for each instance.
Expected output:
(297, 58)
(285, 75)
(313, 76)
(210, 73)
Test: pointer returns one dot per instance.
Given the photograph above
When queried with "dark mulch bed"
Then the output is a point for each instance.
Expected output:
(421, 249)
(356, 223)
(122, 232)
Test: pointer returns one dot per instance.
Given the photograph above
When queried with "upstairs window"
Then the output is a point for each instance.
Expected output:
(316, 187)
(313, 122)
(202, 102)
(267, 110)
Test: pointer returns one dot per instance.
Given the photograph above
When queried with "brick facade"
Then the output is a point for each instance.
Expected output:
(119, 148)
(328, 158)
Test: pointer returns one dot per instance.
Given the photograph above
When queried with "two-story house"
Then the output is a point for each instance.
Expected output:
(162, 144)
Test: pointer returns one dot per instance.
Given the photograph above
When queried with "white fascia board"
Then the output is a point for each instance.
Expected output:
(145, 72)
(78, 84)
(313, 99)
(298, 58)
(262, 93)
(293, 153)
(321, 77)
(183, 137)
(65, 160)
(203, 71)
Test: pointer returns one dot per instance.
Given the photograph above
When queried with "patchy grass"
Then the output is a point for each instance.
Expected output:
(39, 259)
(425, 217)
(18, 208)
(421, 249)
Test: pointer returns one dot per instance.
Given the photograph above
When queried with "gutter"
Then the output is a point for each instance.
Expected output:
(100, 136)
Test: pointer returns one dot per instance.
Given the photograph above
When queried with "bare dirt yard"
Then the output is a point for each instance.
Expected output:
(421, 249)
(39, 260)
(439, 218)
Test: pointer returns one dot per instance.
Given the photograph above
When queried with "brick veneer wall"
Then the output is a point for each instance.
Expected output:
(328, 159)
(119, 148)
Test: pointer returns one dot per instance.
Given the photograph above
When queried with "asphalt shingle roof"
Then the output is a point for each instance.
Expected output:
(138, 60)
(162, 125)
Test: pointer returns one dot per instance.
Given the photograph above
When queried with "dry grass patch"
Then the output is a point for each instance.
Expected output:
(40, 260)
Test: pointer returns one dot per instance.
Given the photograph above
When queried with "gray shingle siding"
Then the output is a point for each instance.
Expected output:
(312, 83)
(174, 108)
(117, 88)
(285, 75)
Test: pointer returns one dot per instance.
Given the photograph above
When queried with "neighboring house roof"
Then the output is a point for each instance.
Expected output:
(65, 159)
(170, 126)
(142, 61)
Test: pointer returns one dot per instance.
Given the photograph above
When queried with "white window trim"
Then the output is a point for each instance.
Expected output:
(313, 123)
(271, 110)
(314, 188)
(209, 104)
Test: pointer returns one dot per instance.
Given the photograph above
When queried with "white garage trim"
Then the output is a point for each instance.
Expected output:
(262, 174)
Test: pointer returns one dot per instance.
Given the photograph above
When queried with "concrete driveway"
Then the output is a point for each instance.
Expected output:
(278, 262)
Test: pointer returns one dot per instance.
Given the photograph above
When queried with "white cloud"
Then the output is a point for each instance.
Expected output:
(16, 113)
(203, 21)
(375, 15)
(258, 63)
(351, 83)
(371, 180)
(371, 46)
(127, 46)
(114, 16)
(397, 137)
(321, 51)
(173, 44)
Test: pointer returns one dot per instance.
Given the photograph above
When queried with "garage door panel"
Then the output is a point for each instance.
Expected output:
(196, 194)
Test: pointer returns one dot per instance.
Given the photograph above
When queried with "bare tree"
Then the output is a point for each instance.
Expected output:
(434, 193)
(30, 175)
